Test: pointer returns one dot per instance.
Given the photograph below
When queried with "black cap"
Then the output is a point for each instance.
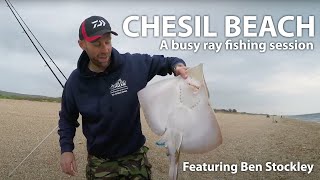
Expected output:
(93, 28)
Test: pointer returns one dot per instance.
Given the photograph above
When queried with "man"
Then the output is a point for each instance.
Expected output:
(103, 89)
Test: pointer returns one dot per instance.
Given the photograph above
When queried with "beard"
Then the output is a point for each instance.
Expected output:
(101, 62)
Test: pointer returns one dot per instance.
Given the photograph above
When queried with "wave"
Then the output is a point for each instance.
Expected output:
(315, 117)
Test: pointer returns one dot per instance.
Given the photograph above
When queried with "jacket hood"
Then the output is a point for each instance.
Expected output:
(83, 62)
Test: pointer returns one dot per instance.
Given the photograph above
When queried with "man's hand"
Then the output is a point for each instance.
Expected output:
(68, 163)
(181, 69)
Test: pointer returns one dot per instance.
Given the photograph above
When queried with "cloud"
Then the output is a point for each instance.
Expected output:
(291, 83)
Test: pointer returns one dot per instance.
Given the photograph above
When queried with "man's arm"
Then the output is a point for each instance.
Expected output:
(68, 120)
(67, 128)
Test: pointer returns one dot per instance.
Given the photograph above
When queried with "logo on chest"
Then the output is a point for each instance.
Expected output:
(118, 87)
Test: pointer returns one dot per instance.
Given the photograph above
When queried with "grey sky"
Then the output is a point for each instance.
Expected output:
(282, 82)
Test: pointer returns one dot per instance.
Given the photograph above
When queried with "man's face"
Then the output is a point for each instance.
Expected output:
(99, 51)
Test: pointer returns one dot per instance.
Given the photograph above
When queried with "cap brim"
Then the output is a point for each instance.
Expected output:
(99, 34)
(105, 31)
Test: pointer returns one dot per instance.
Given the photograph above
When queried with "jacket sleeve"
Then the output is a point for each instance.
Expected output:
(68, 114)
(160, 65)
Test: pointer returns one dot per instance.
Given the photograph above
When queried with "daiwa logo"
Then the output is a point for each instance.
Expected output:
(98, 23)
(119, 87)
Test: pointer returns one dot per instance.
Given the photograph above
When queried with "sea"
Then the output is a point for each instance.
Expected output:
(315, 117)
